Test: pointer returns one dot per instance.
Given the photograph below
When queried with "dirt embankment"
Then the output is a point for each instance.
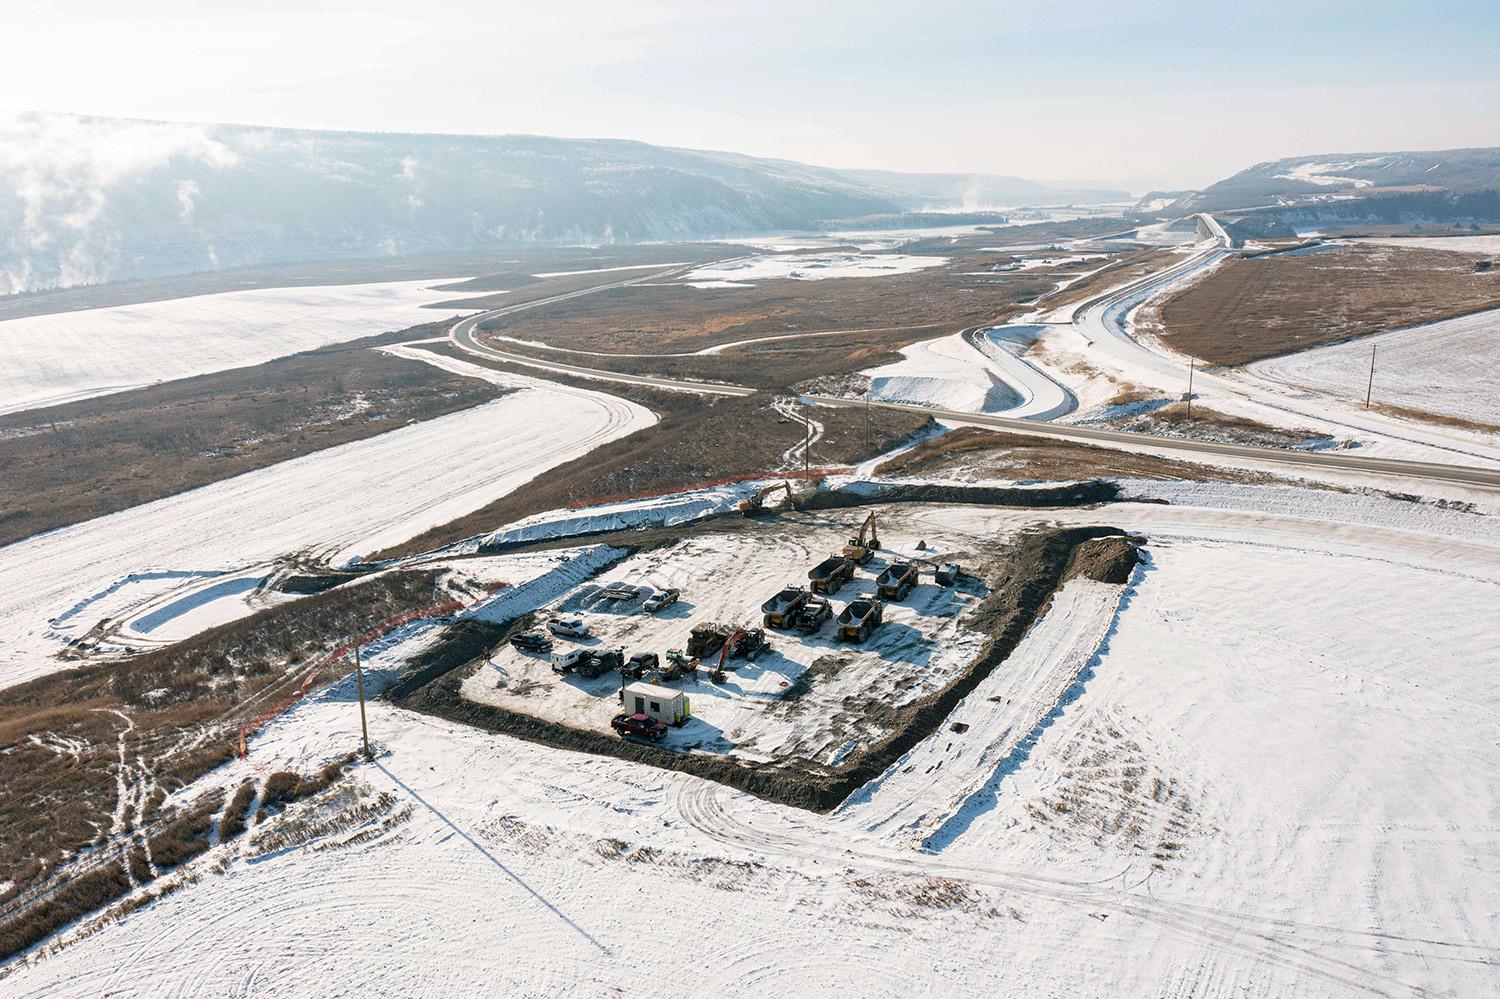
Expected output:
(1036, 566)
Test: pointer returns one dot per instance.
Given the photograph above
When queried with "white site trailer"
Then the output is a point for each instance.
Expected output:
(661, 703)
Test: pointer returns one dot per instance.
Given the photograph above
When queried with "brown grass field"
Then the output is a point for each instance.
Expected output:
(1250, 309)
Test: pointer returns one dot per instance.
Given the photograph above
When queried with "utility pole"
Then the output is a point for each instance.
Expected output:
(867, 423)
(1190, 389)
(1370, 385)
(359, 679)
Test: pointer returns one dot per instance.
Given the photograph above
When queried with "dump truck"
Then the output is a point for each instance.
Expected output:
(861, 547)
(706, 639)
(946, 574)
(781, 608)
(861, 617)
(814, 613)
(831, 574)
(896, 581)
(757, 504)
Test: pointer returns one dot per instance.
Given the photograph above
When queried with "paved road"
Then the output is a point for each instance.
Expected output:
(463, 334)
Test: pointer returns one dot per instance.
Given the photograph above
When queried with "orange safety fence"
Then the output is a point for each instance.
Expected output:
(342, 652)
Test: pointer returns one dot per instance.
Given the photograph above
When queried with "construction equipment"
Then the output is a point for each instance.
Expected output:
(812, 615)
(946, 574)
(831, 573)
(859, 619)
(757, 504)
(620, 591)
(780, 609)
(748, 643)
(718, 675)
(706, 639)
(861, 547)
(896, 581)
(679, 665)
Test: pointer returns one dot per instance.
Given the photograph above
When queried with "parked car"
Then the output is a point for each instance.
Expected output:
(569, 627)
(660, 599)
(531, 641)
(600, 663)
(640, 664)
(639, 725)
(570, 661)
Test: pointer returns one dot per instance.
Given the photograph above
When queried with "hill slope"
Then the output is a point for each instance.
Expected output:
(85, 200)
(1366, 175)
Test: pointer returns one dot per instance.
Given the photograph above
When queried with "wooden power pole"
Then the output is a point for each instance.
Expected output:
(1370, 385)
(1190, 389)
(359, 680)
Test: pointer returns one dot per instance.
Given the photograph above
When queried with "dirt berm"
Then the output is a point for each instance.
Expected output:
(1037, 565)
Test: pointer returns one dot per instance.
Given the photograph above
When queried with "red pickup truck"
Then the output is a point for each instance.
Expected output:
(640, 725)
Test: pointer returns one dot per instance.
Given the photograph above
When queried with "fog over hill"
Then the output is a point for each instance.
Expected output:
(87, 200)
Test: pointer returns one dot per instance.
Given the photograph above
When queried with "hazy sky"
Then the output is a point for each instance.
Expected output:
(1148, 94)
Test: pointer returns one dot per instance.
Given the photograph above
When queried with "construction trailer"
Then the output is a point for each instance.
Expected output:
(660, 703)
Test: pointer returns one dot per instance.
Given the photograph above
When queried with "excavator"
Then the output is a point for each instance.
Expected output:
(757, 504)
(718, 675)
(861, 548)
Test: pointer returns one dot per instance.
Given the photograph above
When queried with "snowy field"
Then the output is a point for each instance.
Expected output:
(1446, 367)
(919, 648)
(946, 373)
(1254, 772)
(1480, 245)
(173, 566)
(74, 355)
(743, 273)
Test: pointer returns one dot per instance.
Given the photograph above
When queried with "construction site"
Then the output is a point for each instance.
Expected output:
(806, 643)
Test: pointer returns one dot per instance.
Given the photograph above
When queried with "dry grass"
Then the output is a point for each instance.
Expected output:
(1250, 309)
(1127, 267)
(987, 453)
(63, 736)
(698, 440)
(656, 318)
(65, 464)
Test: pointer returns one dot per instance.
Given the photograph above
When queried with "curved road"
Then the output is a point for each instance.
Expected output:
(464, 335)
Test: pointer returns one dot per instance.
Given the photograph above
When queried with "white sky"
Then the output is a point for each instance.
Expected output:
(1144, 94)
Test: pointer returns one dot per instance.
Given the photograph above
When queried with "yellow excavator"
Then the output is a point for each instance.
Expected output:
(861, 548)
(757, 504)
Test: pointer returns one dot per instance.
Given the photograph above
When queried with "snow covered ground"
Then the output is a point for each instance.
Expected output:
(742, 273)
(149, 567)
(75, 355)
(946, 373)
(1446, 367)
(1268, 772)
(725, 578)
(1482, 246)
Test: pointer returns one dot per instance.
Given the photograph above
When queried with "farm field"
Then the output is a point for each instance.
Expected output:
(1250, 309)
(1443, 369)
